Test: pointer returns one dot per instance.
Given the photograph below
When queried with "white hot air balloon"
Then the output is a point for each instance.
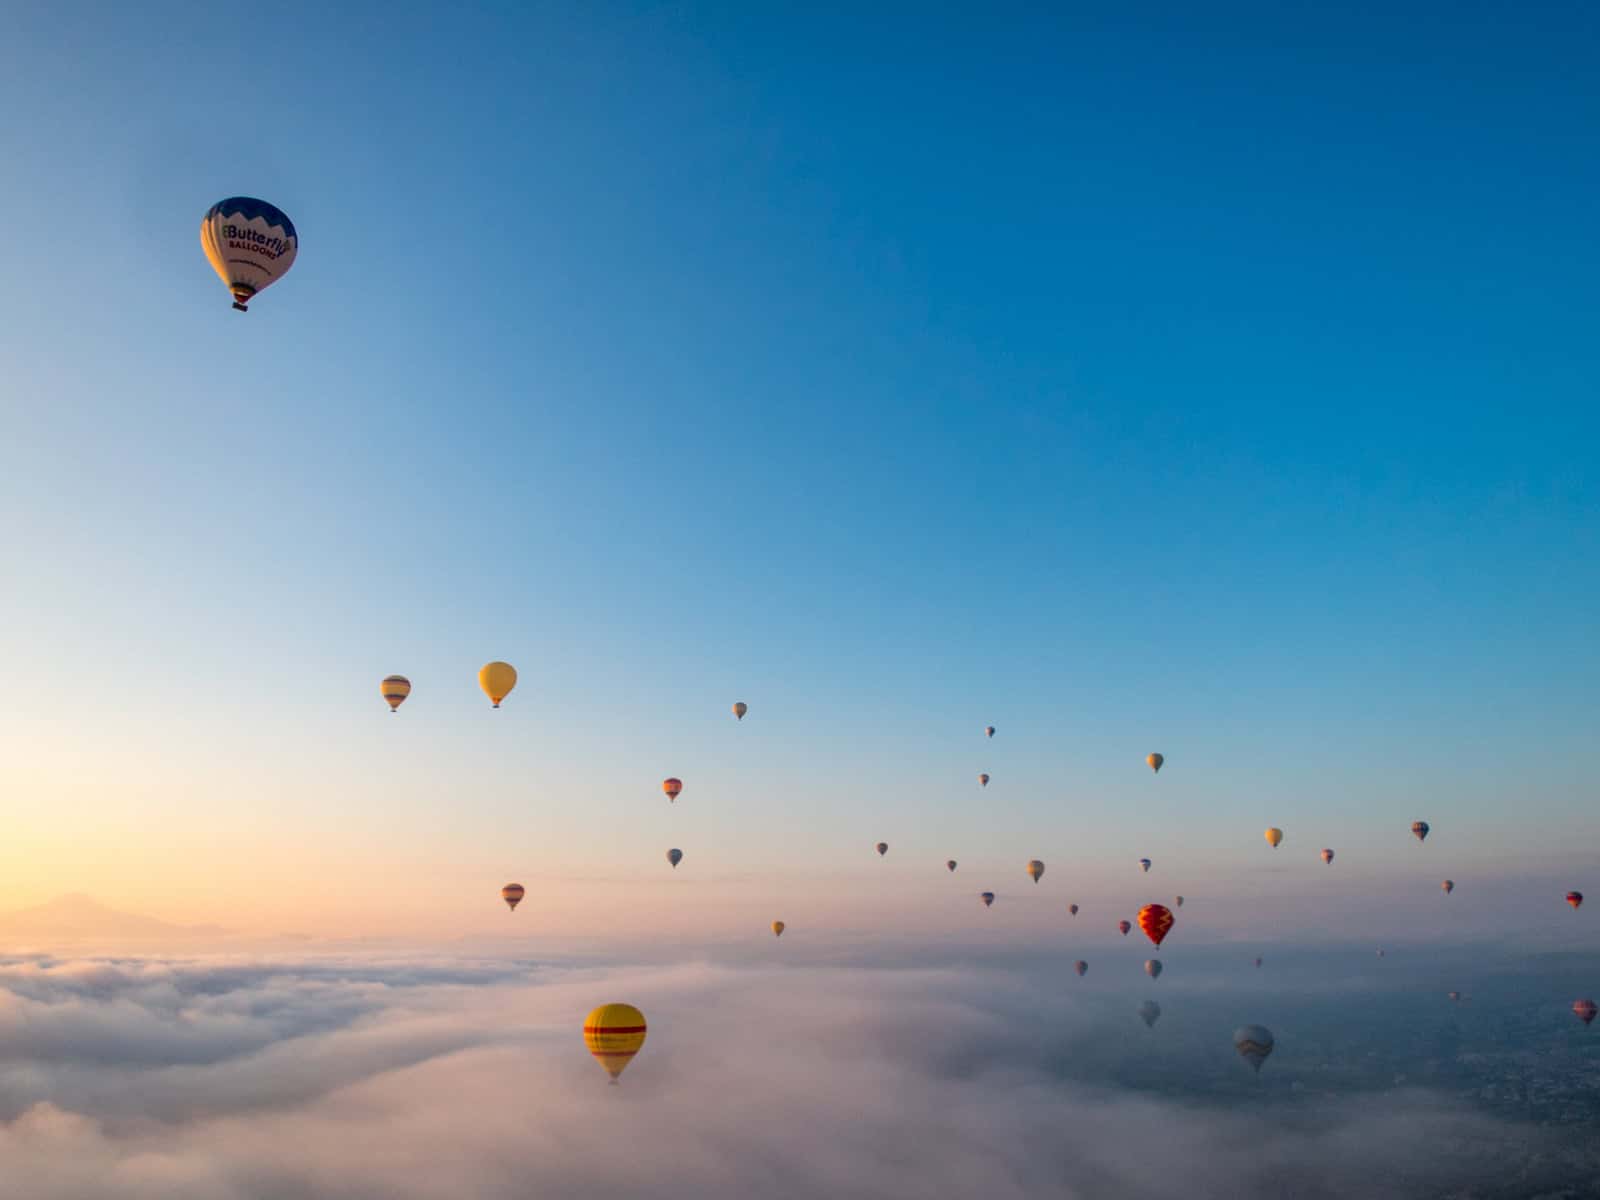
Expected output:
(250, 244)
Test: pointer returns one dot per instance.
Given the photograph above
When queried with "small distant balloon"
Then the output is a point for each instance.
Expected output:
(497, 679)
(987, 898)
(674, 857)
(250, 244)
(614, 1033)
(951, 864)
(1150, 1013)
(1080, 967)
(777, 928)
(1123, 927)
(1455, 997)
(1575, 899)
(983, 780)
(1584, 1010)
(1258, 960)
(1156, 921)
(1035, 869)
(1178, 900)
(1155, 761)
(988, 731)
(672, 787)
(1144, 865)
(1254, 1043)
(1152, 968)
(1420, 829)
(1449, 885)
(1380, 953)
(395, 689)
(512, 894)
(739, 709)
(1073, 909)
(883, 848)
(1273, 836)
(1327, 856)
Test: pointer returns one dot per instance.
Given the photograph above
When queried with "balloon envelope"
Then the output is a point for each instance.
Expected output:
(614, 1033)
(1420, 829)
(1327, 856)
(672, 787)
(497, 679)
(883, 848)
(1149, 1012)
(1035, 869)
(950, 865)
(1584, 1010)
(1155, 761)
(777, 928)
(1254, 1043)
(1449, 885)
(1273, 836)
(740, 708)
(1152, 967)
(988, 731)
(1080, 967)
(512, 894)
(674, 856)
(1155, 920)
(395, 689)
(1575, 898)
(1144, 865)
(1073, 909)
(983, 780)
(1258, 962)
(249, 243)
(1178, 900)
(987, 898)
(1123, 927)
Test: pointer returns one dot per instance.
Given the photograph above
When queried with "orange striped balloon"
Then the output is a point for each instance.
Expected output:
(512, 894)
(672, 787)
(1155, 920)
(395, 689)
(614, 1033)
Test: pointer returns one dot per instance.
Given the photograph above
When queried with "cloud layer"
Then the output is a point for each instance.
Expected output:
(419, 1077)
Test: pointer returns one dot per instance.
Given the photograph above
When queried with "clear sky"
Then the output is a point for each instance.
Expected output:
(1218, 384)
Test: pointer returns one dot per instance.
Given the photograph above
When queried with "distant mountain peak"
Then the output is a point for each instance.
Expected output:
(79, 915)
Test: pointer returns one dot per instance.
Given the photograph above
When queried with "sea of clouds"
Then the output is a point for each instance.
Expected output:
(426, 1075)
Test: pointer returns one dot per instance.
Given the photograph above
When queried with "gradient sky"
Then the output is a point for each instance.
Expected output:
(1218, 384)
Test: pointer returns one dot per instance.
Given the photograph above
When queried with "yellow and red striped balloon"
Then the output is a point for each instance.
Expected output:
(672, 787)
(1155, 920)
(395, 689)
(614, 1033)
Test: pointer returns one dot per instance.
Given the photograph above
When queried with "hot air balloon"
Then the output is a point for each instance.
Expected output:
(1584, 1010)
(1152, 968)
(1258, 961)
(1420, 828)
(1449, 885)
(951, 864)
(1178, 900)
(671, 787)
(1080, 967)
(1155, 761)
(883, 848)
(739, 709)
(614, 1033)
(1454, 997)
(1035, 869)
(1273, 836)
(1073, 909)
(497, 679)
(1149, 1013)
(1327, 856)
(987, 898)
(1380, 953)
(1123, 927)
(512, 894)
(777, 928)
(983, 780)
(1144, 865)
(674, 857)
(1156, 921)
(250, 244)
(1254, 1043)
(988, 731)
(1575, 899)
(395, 689)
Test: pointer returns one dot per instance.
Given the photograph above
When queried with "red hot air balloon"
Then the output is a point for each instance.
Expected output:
(1584, 1010)
(1124, 926)
(1575, 898)
(1155, 920)
(672, 787)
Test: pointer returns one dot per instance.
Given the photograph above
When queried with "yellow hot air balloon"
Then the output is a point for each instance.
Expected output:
(249, 243)
(395, 689)
(1273, 836)
(497, 679)
(614, 1033)
(739, 710)
(777, 928)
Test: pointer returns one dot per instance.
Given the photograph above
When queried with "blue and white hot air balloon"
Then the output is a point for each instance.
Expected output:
(249, 243)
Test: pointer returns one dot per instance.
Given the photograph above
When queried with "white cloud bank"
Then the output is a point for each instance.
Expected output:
(368, 1079)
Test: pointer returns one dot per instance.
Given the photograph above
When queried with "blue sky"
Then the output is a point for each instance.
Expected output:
(1222, 386)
